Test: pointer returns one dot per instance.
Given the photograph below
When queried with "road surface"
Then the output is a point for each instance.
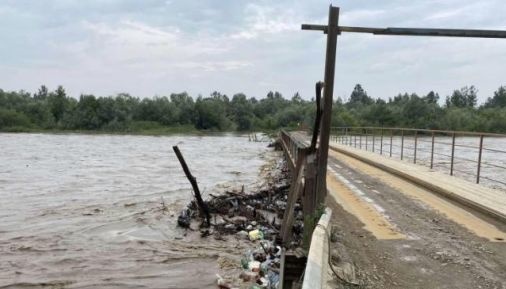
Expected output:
(391, 233)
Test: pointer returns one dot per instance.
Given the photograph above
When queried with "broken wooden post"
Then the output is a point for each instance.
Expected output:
(204, 210)
(309, 205)
(296, 187)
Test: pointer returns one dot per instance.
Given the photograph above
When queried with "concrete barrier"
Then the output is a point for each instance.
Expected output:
(315, 276)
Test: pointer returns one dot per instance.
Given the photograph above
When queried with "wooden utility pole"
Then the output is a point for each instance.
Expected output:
(328, 90)
(333, 30)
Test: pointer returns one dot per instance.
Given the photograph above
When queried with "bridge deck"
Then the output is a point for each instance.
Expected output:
(486, 200)
(481, 198)
(396, 227)
(393, 233)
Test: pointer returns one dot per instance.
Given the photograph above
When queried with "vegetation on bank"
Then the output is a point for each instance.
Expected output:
(56, 111)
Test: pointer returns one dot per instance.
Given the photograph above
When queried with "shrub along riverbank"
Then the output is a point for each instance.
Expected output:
(55, 111)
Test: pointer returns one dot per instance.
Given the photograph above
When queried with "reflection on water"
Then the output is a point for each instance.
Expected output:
(85, 211)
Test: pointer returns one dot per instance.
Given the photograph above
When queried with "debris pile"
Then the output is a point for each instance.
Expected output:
(235, 211)
(261, 266)
(254, 217)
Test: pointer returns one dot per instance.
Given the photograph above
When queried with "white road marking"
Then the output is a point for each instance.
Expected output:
(359, 192)
(379, 209)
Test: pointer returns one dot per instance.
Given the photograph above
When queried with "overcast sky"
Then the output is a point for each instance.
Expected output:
(155, 47)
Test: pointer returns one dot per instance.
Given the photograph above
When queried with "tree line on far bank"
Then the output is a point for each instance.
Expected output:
(55, 110)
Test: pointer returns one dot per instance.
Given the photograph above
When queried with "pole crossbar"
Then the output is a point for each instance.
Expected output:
(397, 31)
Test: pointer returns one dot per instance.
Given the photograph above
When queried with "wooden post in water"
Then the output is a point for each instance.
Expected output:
(204, 210)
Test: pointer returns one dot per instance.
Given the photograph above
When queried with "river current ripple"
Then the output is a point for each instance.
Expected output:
(85, 211)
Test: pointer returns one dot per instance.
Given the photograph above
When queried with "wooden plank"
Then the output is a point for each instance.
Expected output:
(408, 31)
(293, 195)
(309, 199)
(288, 217)
(402, 31)
(288, 156)
(289, 159)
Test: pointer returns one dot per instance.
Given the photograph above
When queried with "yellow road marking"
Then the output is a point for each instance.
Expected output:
(457, 214)
(373, 221)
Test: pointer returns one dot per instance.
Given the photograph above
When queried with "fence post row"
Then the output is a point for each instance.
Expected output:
(349, 137)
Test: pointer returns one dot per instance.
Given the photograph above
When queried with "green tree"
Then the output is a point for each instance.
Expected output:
(242, 112)
(42, 93)
(85, 114)
(465, 97)
(58, 103)
(13, 119)
(432, 97)
(185, 106)
(359, 97)
(499, 98)
(211, 114)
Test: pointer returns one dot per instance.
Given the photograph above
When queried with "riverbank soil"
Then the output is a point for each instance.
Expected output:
(393, 234)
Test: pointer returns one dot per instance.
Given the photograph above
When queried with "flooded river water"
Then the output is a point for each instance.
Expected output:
(99, 211)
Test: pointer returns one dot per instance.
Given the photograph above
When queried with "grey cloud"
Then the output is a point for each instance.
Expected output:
(157, 46)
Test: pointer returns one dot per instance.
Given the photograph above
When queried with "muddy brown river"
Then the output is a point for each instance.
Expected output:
(99, 211)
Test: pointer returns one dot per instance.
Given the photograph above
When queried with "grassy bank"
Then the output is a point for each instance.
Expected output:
(157, 130)
(148, 130)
